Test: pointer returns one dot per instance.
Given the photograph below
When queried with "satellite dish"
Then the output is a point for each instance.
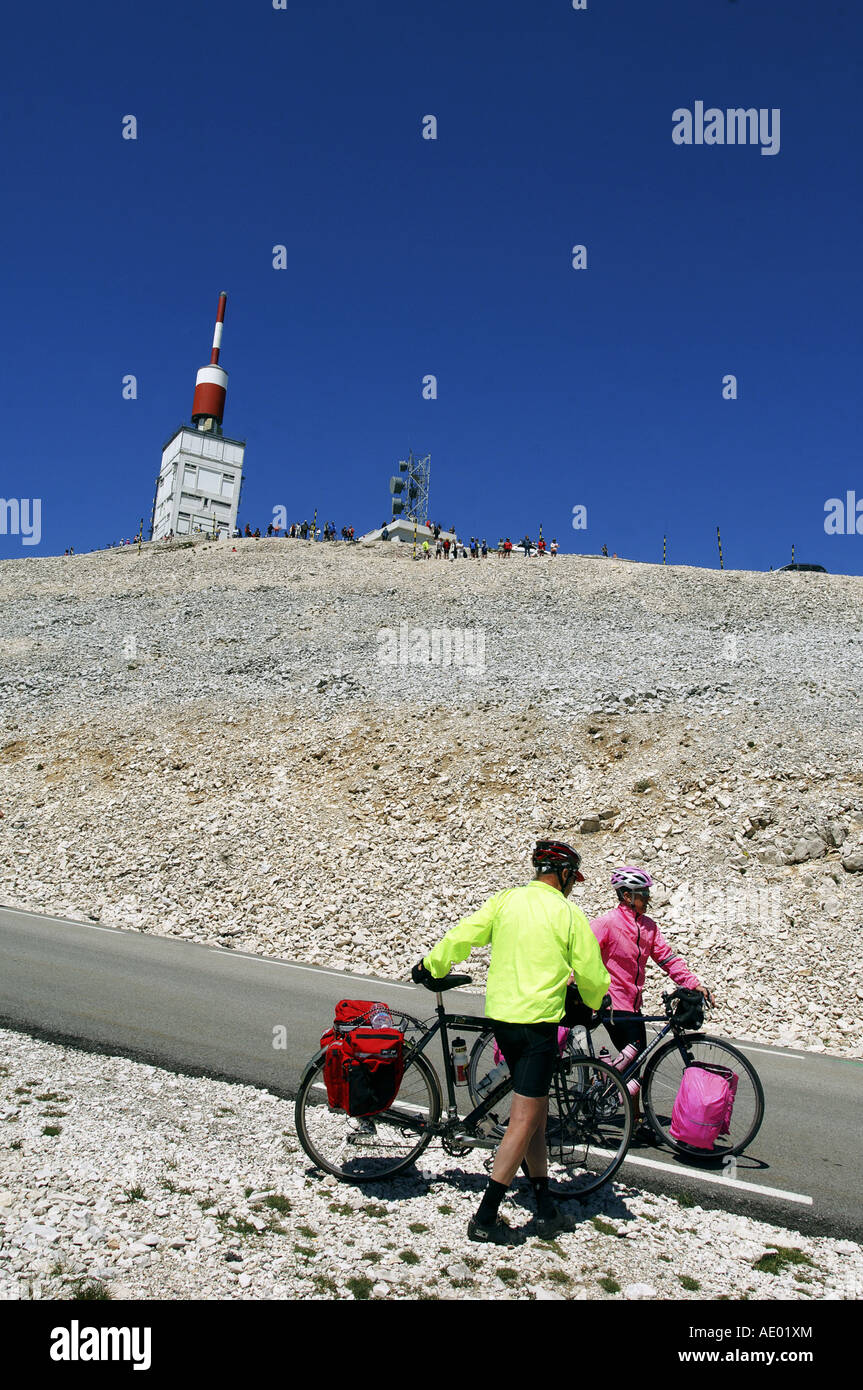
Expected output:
(403, 467)
(398, 506)
(397, 485)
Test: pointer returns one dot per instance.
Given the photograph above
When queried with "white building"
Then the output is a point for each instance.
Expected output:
(198, 489)
(402, 529)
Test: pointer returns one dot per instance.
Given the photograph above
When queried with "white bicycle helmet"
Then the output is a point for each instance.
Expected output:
(631, 878)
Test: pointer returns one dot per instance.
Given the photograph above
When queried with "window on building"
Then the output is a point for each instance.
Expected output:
(209, 480)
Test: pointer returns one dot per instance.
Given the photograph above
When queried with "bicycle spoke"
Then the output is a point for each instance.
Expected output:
(363, 1149)
(589, 1126)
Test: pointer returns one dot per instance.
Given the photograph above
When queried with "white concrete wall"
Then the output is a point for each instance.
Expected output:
(199, 480)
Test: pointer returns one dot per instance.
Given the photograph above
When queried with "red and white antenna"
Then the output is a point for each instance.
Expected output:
(211, 383)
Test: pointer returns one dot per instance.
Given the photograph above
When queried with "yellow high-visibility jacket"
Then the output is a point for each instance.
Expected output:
(537, 940)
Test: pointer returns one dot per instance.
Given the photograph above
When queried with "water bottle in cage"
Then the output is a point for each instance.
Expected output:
(622, 1061)
(459, 1061)
(492, 1079)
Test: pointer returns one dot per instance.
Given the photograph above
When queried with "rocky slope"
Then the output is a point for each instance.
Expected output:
(269, 746)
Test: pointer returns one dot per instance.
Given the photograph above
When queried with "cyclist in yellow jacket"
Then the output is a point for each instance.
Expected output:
(538, 941)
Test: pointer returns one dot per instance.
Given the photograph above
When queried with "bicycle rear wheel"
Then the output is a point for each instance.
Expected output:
(662, 1077)
(366, 1150)
(483, 1074)
(590, 1123)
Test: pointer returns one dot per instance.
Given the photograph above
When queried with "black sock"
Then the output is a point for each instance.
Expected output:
(488, 1207)
(544, 1204)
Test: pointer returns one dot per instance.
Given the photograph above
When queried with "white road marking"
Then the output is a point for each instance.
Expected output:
(225, 950)
(799, 1197)
(315, 969)
(92, 926)
(772, 1052)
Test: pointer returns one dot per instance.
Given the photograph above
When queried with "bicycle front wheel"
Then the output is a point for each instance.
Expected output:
(590, 1123)
(662, 1077)
(366, 1150)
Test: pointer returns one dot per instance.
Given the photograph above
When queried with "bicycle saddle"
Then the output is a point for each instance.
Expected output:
(448, 982)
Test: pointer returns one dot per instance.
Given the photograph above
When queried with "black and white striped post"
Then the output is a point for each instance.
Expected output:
(719, 543)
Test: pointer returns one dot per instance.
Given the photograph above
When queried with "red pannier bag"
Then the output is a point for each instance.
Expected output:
(703, 1105)
(364, 1065)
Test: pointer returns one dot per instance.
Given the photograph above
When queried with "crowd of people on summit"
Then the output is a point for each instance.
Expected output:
(444, 545)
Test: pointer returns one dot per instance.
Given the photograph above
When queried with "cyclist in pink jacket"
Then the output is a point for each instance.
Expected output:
(627, 939)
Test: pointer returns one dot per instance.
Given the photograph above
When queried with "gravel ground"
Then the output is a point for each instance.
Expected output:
(161, 1186)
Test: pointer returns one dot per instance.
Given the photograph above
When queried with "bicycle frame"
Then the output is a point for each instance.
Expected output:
(638, 1063)
(467, 1022)
(453, 1121)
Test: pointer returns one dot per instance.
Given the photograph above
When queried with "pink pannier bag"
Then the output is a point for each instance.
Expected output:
(703, 1105)
(732, 1092)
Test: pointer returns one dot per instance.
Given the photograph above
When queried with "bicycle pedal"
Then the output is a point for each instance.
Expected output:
(475, 1141)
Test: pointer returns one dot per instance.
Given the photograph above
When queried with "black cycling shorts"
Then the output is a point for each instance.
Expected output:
(627, 1028)
(530, 1052)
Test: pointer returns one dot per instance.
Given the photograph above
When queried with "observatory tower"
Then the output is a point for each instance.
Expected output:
(198, 489)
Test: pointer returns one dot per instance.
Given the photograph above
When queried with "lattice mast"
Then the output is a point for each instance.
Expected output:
(410, 488)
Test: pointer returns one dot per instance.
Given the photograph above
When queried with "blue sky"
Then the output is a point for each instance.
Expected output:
(557, 387)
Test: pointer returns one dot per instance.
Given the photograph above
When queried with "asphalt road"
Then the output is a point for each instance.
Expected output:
(257, 1020)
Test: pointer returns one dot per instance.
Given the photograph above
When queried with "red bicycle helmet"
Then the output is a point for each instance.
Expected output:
(553, 856)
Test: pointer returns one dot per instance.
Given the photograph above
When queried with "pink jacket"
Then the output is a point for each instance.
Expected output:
(626, 940)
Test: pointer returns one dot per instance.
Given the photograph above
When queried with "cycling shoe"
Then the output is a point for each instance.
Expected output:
(547, 1227)
(498, 1234)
